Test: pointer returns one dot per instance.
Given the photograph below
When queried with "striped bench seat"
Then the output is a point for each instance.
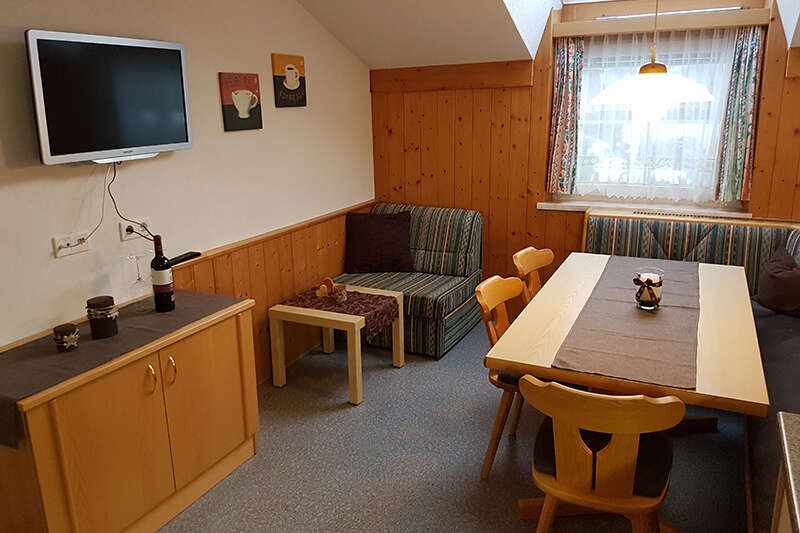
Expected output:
(722, 241)
(439, 296)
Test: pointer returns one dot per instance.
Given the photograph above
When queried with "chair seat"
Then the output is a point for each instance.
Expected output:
(510, 378)
(652, 466)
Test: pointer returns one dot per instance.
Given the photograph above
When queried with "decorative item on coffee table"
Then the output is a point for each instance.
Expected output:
(329, 289)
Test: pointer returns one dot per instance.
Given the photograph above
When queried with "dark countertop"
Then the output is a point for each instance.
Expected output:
(36, 366)
(789, 428)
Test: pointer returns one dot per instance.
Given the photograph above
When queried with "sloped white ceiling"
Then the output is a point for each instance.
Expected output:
(790, 17)
(410, 33)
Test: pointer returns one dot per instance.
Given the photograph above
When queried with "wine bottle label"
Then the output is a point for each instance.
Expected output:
(161, 277)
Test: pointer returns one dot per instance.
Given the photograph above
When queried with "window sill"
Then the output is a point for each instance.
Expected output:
(585, 205)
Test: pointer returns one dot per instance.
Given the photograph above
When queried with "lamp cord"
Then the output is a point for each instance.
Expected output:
(655, 36)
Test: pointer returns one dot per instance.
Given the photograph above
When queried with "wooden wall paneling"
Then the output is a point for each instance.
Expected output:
(793, 62)
(259, 292)
(555, 238)
(325, 257)
(481, 162)
(573, 241)
(445, 148)
(541, 98)
(787, 155)
(299, 338)
(768, 117)
(223, 275)
(784, 186)
(240, 266)
(412, 146)
(338, 247)
(184, 278)
(462, 152)
(272, 270)
(466, 76)
(300, 260)
(428, 151)
(313, 251)
(204, 276)
(394, 130)
(518, 181)
(285, 262)
(380, 144)
(500, 175)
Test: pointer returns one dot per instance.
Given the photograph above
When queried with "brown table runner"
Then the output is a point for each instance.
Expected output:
(36, 366)
(379, 311)
(613, 337)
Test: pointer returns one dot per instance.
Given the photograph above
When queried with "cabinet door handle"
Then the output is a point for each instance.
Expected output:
(174, 366)
(154, 376)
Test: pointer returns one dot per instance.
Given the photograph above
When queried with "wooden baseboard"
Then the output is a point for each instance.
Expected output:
(182, 499)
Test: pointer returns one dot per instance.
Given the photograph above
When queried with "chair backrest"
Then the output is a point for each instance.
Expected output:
(492, 295)
(444, 240)
(610, 471)
(528, 262)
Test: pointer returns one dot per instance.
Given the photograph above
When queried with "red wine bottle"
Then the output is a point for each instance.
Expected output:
(161, 273)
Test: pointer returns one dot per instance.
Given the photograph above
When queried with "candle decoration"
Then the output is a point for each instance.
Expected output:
(649, 282)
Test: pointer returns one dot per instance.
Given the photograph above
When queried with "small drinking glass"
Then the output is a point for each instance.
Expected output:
(142, 272)
(649, 281)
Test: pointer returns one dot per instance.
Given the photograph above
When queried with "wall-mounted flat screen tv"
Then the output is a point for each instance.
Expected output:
(105, 99)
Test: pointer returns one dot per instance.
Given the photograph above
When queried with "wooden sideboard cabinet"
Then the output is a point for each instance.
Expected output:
(130, 444)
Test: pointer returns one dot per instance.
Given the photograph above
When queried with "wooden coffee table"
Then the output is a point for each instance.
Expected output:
(329, 321)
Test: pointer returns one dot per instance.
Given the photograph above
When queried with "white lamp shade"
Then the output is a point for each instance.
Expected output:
(649, 88)
(651, 95)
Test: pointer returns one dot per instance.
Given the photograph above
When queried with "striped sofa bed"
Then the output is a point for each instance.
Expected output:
(746, 243)
(439, 296)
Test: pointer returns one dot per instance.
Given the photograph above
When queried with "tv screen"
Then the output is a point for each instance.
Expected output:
(107, 98)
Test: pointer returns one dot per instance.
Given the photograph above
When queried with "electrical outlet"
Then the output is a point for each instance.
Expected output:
(70, 244)
(124, 235)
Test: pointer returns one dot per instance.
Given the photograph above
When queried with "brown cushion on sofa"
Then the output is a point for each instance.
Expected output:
(779, 286)
(378, 243)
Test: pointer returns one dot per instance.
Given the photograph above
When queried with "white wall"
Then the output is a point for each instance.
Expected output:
(305, 162)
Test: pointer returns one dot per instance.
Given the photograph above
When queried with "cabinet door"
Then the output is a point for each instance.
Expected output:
(203, 390)
(112, 437)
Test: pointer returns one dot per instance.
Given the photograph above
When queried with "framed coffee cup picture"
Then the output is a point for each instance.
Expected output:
(241, 101)
(289, 80)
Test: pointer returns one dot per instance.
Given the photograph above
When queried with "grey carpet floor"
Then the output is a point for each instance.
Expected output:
(408, 458)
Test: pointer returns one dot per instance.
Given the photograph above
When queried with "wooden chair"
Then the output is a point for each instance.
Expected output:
(602, 452)
(492, 295)
(528, 262)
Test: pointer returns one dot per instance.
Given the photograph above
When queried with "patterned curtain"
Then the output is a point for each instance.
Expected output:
(567, 68)
(737, 146)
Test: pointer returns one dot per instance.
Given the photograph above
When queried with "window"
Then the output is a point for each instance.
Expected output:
(642, 150)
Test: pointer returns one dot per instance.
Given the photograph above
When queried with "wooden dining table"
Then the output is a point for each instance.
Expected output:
(730, 376)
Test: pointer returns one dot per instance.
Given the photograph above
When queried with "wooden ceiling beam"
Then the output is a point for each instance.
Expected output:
(688, 21)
